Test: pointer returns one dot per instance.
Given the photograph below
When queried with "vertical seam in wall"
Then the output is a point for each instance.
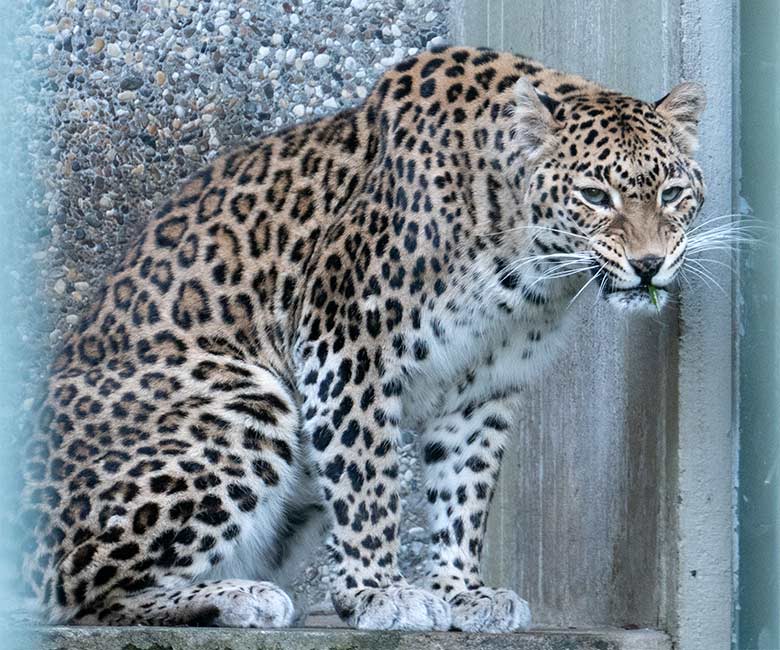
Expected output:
(665, 32)
(457, 21)
(736, 203)
(690, 39)
(503, 23)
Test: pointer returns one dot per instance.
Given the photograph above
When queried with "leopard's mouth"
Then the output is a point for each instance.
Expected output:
(642, 297)
(642, 290)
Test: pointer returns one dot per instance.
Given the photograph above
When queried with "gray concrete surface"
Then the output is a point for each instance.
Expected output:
(615, 504)
(580, 517)
(340, 639)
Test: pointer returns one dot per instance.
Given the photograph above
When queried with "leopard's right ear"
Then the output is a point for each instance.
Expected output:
(535, 125)
(683, 107)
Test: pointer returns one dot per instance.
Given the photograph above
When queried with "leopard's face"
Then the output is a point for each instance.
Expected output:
(614, 191)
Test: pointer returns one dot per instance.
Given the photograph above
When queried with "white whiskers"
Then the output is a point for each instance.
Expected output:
(706, 239)
(724, 236)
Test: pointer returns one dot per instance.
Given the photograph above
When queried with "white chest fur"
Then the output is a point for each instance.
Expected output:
(487, 353)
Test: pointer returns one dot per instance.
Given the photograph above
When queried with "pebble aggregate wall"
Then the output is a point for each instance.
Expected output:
(120, 100)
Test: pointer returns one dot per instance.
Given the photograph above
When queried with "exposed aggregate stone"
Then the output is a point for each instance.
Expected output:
(122, 100)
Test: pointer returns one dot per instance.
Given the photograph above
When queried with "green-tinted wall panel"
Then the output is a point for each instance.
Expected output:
(758, 615)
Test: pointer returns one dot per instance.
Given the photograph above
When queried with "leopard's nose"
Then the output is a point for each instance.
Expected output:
(647, 267)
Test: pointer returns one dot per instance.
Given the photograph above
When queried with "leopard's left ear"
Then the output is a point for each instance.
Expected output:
(683, 107)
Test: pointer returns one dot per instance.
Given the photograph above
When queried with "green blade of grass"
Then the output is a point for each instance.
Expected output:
(654, 296)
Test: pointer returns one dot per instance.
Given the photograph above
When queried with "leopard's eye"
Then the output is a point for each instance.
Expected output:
(596, 196)
(671, 194)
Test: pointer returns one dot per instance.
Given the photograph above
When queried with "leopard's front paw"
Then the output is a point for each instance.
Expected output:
(262, 604)
(394, 608)
(489, 610)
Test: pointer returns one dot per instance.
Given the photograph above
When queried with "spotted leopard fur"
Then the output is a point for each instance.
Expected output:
(240, 384)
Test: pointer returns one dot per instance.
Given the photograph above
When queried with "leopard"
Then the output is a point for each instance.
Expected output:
(237, 392)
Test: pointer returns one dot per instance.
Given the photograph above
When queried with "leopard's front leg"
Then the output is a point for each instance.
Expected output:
(461, 455)
(351, 410)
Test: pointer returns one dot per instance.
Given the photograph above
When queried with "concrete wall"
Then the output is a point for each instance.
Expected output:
(610, 468)
(615, 500)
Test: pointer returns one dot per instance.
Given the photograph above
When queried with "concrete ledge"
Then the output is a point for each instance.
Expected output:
(156, 638)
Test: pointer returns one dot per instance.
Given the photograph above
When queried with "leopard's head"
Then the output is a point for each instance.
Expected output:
(612, 186)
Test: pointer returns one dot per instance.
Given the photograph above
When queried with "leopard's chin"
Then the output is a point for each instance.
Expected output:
(637, 299)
